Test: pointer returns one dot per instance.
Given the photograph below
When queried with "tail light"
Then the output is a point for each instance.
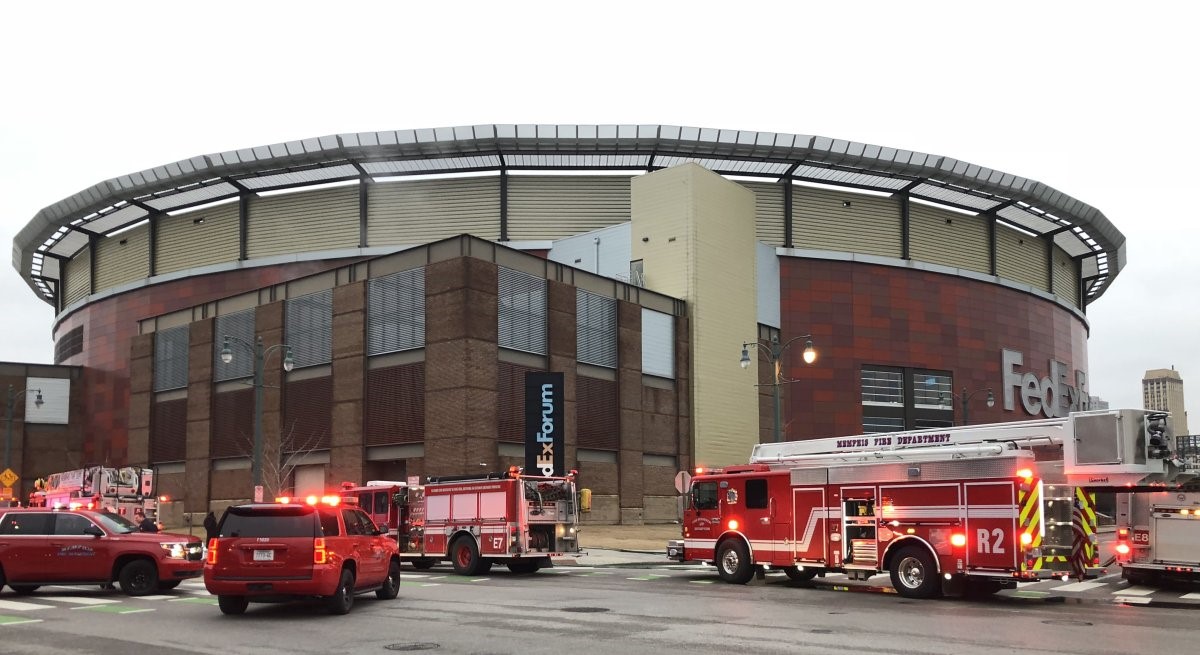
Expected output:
(958, 540)
(212, 550)
(319, 553)
(1122, 546)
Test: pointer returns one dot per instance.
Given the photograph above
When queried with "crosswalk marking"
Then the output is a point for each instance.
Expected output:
(22, 606)
(114, 609)
(1135, 591)
(81, 600)
(1132, 600)
(1079, 586)
(154, 597)
(1191, 596)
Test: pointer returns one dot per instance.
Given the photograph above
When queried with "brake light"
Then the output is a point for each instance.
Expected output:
(958, 540)
(319, 553)
(1123, 548)
(212, 550)
(1122, 533)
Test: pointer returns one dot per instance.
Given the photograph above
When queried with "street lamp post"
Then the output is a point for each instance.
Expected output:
(260, 358)
(774, 352)
(964, 398)
(13, 396)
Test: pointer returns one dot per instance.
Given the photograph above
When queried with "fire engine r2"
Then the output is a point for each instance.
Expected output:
(953, 510)
(474, 521)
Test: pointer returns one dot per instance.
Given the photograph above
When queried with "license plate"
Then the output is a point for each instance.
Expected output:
(264, 556)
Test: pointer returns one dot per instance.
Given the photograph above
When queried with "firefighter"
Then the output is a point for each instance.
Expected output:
(144, 524)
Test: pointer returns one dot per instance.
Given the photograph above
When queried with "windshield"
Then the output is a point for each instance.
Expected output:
(115, 522)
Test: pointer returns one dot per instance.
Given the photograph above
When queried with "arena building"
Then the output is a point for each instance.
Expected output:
(415, 276)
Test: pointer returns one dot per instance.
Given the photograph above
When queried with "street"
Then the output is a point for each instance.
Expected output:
(584, 609)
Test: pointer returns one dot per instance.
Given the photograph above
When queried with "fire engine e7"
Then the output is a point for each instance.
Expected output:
(975, 508)
(522, 521)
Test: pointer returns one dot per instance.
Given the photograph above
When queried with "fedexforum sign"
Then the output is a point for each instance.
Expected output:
(1051, 396)
(545, 442)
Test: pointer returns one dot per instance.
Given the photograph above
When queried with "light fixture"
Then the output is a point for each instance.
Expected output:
(810, 353)
(745, 361)
(845, 203)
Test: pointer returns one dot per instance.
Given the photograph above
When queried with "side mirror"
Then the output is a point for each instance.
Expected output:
(94, 531)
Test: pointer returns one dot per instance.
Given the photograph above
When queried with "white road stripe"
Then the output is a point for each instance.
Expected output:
(155, 597)
(1135, 591)
(1132, 600)
(1191, 596)
(22, 606)
(80, 600)
(1078, 586)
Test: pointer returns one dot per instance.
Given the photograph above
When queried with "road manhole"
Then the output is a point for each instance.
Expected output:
(585, 610)
(412, 648)
(1066, 622)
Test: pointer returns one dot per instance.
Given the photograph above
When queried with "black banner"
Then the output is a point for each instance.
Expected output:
(545, 442)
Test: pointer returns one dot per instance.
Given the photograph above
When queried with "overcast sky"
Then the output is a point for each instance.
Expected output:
(1097, 101)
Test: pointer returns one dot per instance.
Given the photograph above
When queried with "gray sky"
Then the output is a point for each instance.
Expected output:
(1095, 100)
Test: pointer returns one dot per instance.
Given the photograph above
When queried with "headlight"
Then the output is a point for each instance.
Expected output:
(175, 550)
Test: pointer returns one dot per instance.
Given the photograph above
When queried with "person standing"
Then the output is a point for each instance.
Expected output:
(210, 527)
(144, 524)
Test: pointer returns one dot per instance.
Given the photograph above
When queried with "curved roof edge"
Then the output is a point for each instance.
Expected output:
(60, 230)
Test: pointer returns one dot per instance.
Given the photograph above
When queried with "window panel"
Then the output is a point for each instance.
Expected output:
(521, 311)
(396, 312)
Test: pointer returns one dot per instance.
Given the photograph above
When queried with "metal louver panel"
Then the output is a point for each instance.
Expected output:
(395, 410)
(196, 239)
(420, 211)
(768, 212)
(232, 423)
(303, 222)
(596, 334)
(522, 311)
(396, 312)
(948, 238)
(845, 222)
(553, 207)
(123, 258)
(599, 420)
(171, 358)
(510, 401)
(309, 328)
(79, 277)
(1021, 257)
(1066, 277)
(307, 407)
(658, 344)
(168, 431)
(239, 326)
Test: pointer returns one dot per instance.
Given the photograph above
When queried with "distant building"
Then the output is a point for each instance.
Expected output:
(1096, 402)
(1162, 389)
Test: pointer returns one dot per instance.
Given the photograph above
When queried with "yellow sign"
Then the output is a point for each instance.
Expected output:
(7, 478)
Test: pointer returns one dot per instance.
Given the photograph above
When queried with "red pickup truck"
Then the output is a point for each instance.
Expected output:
(40, 546)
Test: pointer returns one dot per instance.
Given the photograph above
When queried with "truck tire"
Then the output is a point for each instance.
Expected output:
(139, 578)
(391, 584)
(464, 556)
(167, 585)
(232, 604)
(24, 589)
(423, 564)
(733, 562)
(343, 597)
(524, 566)
(914, 573)
(800, 574)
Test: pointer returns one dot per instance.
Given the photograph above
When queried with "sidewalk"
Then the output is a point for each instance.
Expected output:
(609, 545)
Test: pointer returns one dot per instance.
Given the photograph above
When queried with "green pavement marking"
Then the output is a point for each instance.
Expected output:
(17, 620)
(202, 600)
(115, 608)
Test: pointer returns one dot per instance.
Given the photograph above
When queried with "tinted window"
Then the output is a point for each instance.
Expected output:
(33, 523)
(756, 494)
(368, 523)
(381, 502)
(272, 522)
(71, 524)
(704, 495)
(329, 524)
(353, 522)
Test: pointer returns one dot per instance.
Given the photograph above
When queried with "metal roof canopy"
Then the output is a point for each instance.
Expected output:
(61, 230)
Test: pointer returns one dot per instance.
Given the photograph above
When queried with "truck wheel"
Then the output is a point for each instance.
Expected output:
(733, 562)
(391, 584)
(2, 579)
(343, 598)
(139, 578)
(232, 604)
(24, 589)
(464, 555)
(524, 566)
(914, 574)
(800, 574)
(167, 585)
(423, 564)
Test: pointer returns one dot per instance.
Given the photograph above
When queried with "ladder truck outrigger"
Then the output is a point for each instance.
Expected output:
(964, 509)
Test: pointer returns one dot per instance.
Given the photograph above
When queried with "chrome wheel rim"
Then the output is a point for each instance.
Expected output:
(912, 572)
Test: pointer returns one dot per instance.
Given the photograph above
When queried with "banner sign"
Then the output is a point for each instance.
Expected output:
(545, 442)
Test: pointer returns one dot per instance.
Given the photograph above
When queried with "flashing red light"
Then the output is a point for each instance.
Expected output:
(1122, 533)
(311, 500)
(699, 470)
(1123, 549)
(733, 524)
(283, 500)
(958, 540)
(164, 499)
(1025, 473)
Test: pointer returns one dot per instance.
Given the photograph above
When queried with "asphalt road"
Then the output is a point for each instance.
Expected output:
(596, 609)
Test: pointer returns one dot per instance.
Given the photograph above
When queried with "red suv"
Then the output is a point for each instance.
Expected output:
(271, 553)
(41, 546)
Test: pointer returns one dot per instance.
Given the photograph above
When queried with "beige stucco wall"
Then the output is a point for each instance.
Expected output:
(694, 232)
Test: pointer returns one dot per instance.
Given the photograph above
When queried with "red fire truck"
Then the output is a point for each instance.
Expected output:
(474, 521)
(378, 499)
(119, 490)
(940, 510)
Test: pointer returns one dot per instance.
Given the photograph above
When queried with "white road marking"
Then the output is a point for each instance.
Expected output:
(155, 597)
(1079, 586)
(1191, 596)
(1135, 591)
(1132, 600)
(22, 606)
(80, 600)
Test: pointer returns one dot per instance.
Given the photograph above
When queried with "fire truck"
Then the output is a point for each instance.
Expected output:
(119, 490)
(522, 521)
(1158, 533)
(966, 509)
(378, 499)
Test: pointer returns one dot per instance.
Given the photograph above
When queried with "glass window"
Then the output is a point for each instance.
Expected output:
(704, 495)
(71, 524)
(329, 525)
(521, 313)
(381, 502)
(26, 523)
(756, 494)
(368, 523)
(899, 398)
(932, 390)
(882, 387)
(276, 522)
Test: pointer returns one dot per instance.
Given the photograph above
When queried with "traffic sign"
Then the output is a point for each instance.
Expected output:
(7, 478)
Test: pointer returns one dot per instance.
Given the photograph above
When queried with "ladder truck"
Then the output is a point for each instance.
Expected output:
(975, 508)
(118, 490)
